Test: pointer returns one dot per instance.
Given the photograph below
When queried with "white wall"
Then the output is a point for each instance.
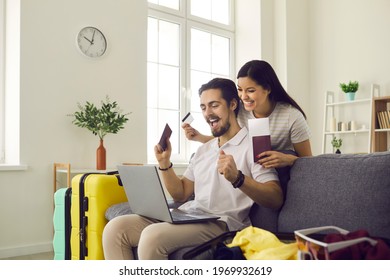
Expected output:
(349, 40)
(283, 26)
(54, 77)
(297, 50)
(248, 23)
(313, 45)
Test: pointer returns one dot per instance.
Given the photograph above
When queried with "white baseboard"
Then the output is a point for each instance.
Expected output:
(26, 250)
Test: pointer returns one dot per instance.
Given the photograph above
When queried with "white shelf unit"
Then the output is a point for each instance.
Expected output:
(358, 111)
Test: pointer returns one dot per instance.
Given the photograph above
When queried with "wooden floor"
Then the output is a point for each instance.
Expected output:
(40, 256)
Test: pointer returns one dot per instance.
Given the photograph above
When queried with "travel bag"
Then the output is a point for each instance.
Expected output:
(62, 224)
(92, 194)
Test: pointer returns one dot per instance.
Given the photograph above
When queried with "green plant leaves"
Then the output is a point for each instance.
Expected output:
(350, 87)
(100, 121)
(336, 143)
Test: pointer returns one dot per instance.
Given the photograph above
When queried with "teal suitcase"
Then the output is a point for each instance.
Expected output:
(62, 224)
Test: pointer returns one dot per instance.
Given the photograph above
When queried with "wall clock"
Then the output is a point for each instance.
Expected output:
(91, 42)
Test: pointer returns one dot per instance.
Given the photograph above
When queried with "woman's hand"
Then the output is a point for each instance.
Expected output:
(189, 131)
(274, 159)
(194, 135)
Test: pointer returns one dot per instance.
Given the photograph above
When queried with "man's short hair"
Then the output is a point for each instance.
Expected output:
(227, 87)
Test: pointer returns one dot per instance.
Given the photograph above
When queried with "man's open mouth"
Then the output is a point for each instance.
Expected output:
(213, 122)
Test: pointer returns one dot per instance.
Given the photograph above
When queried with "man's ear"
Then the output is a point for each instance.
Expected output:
(233, 104)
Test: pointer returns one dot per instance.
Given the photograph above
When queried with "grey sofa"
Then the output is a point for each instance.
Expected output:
(349, 191)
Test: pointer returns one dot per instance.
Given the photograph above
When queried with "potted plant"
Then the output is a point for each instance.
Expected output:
(100, 121)
(350, 89)
(336, 143)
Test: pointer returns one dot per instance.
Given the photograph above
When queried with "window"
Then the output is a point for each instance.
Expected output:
(2, 78)
(9, 85)
(189, 43)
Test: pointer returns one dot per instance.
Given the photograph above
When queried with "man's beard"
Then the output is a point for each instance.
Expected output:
(221, 131)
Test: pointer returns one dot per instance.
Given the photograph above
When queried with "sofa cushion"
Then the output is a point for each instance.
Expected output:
(118, 210)
(264, 218)
(349, 191)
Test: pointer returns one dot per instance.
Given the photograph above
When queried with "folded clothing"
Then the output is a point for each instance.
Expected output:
(259, 244)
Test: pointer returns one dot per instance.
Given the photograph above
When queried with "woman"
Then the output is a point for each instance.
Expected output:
(263, 96)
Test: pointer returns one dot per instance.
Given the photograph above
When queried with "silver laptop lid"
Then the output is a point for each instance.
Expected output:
(144, 191)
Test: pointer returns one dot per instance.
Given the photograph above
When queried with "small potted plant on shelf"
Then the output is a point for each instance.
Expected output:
(350, 89)
(336, 143)
(100, 121)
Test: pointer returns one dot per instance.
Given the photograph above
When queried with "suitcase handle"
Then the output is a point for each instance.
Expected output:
(116, 173)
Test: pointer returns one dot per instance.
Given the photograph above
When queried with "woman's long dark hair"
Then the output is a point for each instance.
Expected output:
(264, 75)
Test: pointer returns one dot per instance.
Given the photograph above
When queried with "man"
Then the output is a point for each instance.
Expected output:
(222, 175)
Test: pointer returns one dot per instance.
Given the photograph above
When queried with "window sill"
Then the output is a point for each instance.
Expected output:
(12, 167)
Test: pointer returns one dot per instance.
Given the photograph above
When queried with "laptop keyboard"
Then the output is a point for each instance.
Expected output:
(178, 215)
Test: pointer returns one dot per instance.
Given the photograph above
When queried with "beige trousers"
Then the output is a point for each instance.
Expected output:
(155, 240)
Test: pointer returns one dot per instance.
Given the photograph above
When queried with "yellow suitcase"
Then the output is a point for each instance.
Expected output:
(92, 194)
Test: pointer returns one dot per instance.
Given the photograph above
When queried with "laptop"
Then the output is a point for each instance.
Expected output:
(146, 196)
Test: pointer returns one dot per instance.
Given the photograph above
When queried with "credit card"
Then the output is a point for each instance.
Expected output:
(188, 118)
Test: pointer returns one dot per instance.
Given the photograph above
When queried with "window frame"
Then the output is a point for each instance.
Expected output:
(187, 21)
(166, 10)
(169, 17)
(11, 87)
(2, 81)
(229, 27)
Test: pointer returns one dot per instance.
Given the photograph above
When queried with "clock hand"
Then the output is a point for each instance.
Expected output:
(88, 40)
(93, 36)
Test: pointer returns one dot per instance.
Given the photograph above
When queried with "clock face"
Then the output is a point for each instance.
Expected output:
(91, 42)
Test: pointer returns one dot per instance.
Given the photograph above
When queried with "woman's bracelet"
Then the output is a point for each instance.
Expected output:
(165, 169)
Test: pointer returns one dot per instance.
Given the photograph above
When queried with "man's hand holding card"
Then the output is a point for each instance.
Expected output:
(189, 131)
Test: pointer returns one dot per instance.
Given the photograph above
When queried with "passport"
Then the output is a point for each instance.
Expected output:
(260, 144)
(165, 135)
(260, 136)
